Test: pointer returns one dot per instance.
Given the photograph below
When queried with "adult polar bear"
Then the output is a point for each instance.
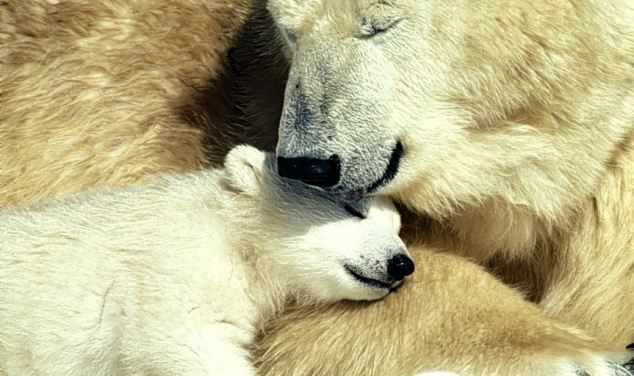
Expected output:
(509, 124)
(101, 93)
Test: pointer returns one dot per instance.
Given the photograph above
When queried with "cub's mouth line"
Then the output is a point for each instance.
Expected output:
(388, 175)
(365, 280)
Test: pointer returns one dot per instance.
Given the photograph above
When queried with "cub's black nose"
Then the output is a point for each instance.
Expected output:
(318, 172)
(400, 266)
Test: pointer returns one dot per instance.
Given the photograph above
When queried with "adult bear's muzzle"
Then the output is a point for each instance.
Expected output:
(333, 132)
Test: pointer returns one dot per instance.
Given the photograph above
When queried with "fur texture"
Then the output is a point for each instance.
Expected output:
(517, 124)
(534, 180)
(504, 336)
(175, 277)
(90, 94)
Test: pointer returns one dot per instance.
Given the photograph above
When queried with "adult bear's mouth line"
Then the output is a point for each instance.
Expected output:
(391, 170)
(388, 175)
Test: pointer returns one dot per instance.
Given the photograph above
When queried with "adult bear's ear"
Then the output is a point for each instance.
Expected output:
(245, 169)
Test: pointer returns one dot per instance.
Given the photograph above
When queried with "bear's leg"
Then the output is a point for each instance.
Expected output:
(191, 350)
(591, 284)
(451, 316)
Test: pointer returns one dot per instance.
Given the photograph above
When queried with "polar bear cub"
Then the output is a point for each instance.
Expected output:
(174, 278)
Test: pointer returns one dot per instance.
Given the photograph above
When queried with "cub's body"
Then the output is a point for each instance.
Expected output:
(171, 278)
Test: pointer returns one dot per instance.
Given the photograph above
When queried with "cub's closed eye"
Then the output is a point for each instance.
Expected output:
(354, 212)
(371, 27)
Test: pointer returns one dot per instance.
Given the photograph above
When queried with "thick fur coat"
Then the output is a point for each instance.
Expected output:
(176, 277)
(519, 156)
(95, 84)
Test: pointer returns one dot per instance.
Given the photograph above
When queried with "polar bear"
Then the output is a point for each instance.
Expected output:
(175, 277)
(105, 93)
(506, 129)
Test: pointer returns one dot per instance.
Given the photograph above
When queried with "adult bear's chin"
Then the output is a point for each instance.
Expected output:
(351, 195)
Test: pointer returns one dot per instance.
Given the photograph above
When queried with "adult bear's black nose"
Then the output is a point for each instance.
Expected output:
(400, 266)
(318, 172)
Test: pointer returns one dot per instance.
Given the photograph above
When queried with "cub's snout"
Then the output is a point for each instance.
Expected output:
(381, 274)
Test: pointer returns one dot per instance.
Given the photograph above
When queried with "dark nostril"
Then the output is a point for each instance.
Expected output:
(400, 266)
(318, 172)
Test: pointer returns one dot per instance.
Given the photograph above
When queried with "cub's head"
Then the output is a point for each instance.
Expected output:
(439, 102)
(325, 249)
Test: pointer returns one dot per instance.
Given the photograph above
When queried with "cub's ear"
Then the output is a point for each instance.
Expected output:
(245, 168)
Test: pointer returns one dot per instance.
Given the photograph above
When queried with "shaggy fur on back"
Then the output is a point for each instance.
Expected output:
(106, 92)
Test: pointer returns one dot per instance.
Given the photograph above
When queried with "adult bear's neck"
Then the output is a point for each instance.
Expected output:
(502, 226)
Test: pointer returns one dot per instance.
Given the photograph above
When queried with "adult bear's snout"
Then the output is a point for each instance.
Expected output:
(322, 173)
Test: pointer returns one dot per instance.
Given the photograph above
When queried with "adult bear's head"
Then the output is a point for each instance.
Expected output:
(449, 103)
(338, 125)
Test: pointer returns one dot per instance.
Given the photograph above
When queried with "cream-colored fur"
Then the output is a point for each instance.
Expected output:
(517, 122)
(450, 316)
(538, 187)
(91, 95)
(175, 277)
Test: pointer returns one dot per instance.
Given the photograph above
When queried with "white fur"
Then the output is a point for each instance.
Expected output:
(175, 277)
(478, 153)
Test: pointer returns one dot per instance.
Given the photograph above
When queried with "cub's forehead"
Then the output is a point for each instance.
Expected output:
(298, 15)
